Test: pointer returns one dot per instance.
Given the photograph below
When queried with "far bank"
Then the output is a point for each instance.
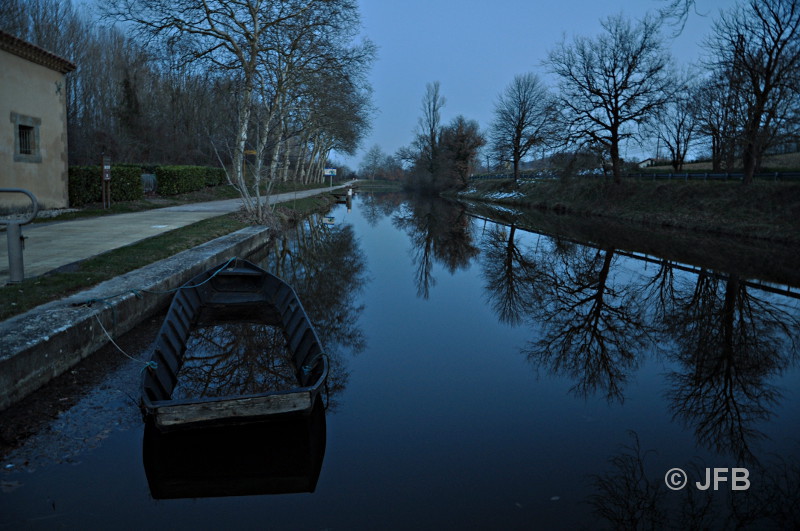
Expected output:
(762, 210)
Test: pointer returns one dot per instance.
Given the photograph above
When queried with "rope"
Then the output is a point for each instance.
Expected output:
(147, 364)
(218, 271)
(138, 294)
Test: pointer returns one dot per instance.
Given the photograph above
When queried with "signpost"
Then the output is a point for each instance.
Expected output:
(106, 182)
(330, 172)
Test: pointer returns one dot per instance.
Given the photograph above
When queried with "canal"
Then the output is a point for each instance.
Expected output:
(490, 369)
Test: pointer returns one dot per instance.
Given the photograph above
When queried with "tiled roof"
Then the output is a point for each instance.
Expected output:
(33, 53)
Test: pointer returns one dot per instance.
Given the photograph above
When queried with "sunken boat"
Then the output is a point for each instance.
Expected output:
(236, 346)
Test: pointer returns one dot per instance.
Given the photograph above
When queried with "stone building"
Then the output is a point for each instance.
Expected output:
(33, 124)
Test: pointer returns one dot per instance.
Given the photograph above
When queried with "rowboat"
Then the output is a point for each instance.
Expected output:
(236, 346)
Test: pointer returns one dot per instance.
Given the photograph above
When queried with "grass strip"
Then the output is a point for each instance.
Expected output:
(19, 298)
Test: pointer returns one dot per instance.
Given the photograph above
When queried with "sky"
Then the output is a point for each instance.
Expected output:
(474, 48)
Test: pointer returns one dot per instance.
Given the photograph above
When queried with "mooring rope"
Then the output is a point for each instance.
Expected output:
(147, 364)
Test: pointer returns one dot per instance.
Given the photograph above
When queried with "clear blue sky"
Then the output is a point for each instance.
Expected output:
(474, 48)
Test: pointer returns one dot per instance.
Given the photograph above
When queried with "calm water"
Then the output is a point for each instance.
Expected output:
(484, 376)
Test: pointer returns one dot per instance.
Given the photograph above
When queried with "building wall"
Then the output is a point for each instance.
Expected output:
(33, 95)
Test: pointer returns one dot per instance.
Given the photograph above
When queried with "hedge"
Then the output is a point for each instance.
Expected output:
(174, 180)
(126, 181)
(84, 184)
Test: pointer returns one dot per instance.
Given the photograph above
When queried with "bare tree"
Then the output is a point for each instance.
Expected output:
(372, 162)
(427, 141)
(674, 126)
(523, 119)
(717, 109)
(761, 40)
(228, 35)
(610, 83)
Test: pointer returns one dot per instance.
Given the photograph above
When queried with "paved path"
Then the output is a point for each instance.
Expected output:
(49, 246)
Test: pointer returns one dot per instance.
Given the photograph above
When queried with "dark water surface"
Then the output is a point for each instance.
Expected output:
(484, 376)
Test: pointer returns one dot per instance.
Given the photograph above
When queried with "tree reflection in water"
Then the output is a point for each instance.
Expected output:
(729, 345)
(633, 495)
(727, 341)
(593, 328)
(235, 359)
(439, 231)
(512, 273)
(327, 269)
(378, 205)
(595, 315)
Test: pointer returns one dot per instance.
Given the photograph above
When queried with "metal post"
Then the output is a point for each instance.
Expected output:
(16, 269)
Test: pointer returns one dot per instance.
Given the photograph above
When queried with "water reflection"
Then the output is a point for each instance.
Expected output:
(596, 310)
(593, 328)
(269, 457)
(512, 274)
(631, 494)
(232, 359)
(730, 343)
(439, 232)
(327, 269)
(376, 206)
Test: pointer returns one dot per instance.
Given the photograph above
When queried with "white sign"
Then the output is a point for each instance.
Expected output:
(329, 171)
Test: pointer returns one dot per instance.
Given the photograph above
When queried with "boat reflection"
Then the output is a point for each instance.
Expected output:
(277, 456)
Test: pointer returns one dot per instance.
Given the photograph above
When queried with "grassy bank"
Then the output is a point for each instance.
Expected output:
(763, 210)
(19, 298)
(380, 186)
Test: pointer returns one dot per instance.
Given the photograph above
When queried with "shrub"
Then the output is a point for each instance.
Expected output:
(84, 184)
(174, 180)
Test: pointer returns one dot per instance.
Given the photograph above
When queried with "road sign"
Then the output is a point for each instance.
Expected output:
(329, 171)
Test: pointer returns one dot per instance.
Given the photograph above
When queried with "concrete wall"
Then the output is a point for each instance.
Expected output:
(29, 90)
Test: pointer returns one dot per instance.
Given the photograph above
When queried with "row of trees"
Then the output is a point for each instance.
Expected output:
(622, 86)
(267, 88)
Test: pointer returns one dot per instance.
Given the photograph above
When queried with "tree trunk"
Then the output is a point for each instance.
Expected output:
(616, 167)
(749, 163)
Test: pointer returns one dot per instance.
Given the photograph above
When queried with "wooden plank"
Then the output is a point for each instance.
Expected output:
(182, 415)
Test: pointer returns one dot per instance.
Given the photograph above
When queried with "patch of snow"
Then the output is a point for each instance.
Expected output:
(505, 209)
(505, 195)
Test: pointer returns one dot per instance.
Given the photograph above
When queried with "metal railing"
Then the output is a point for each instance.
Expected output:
(16, 242)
